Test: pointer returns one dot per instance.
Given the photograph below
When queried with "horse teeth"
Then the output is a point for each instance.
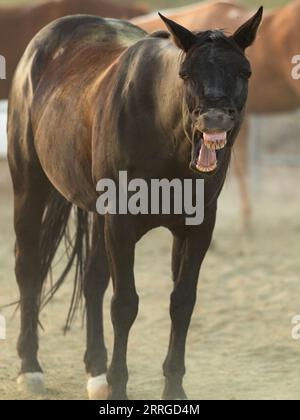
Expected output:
(208, 169)
(221, 144)
(210, 145)
(216, 145)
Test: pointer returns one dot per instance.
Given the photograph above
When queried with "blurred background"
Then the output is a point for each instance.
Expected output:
(175, 3)
(240, 344)
(154, 4)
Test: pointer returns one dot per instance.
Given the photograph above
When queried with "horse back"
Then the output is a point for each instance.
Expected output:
(67, 39)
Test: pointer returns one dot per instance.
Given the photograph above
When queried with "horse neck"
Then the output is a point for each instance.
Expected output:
(170, 91)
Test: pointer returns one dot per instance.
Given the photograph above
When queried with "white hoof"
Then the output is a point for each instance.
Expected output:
(97, 388)
(32, 383)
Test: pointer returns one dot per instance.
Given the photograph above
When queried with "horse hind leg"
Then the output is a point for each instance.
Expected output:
(95, 284)
(29, 208)
(31, 189)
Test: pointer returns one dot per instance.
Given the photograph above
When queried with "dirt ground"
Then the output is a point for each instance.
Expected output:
(240, 344)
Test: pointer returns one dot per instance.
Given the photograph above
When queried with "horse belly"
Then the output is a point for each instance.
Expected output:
(66, 163)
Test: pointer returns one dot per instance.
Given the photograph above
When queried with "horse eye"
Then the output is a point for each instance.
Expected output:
(184, 76)
(245, 74)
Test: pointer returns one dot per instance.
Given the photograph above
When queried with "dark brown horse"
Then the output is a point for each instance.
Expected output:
(92, 98)
(19, 24)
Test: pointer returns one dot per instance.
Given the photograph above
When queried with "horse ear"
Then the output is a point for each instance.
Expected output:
(183, 38)
(246, 34)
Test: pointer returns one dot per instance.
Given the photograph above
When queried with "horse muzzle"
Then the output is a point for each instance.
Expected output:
(212, 132)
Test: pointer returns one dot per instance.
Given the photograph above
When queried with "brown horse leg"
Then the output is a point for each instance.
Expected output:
(31, 193)
(241, 165)
(120, 246)
(189, 251)
(95, 285)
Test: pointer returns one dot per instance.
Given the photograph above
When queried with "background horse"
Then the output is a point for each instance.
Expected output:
(272, 87)
(19, 24)
(89, 100)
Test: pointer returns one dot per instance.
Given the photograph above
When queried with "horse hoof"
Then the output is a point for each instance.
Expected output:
(97, 388)
(174, 393)
(32, 383)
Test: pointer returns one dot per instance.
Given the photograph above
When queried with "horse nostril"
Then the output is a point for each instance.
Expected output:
(196, 113)
(231, 112)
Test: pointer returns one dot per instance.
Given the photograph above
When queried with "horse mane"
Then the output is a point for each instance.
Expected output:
(216, 35)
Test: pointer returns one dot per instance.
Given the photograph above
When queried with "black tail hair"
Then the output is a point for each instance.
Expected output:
(55, 229)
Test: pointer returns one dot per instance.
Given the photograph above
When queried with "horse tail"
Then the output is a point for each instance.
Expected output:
(58, 225)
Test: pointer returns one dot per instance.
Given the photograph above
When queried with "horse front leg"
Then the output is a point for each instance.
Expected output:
(189, 250)
(120, 245)
(95, 284)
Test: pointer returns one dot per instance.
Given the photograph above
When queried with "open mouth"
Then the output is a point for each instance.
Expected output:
(205, 151)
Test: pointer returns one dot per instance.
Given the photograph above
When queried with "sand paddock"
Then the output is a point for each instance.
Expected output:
(240, 344)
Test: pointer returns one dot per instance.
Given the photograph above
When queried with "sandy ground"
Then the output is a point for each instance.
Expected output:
(240, 344)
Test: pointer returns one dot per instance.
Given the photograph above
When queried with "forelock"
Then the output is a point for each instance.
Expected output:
(215, 36)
